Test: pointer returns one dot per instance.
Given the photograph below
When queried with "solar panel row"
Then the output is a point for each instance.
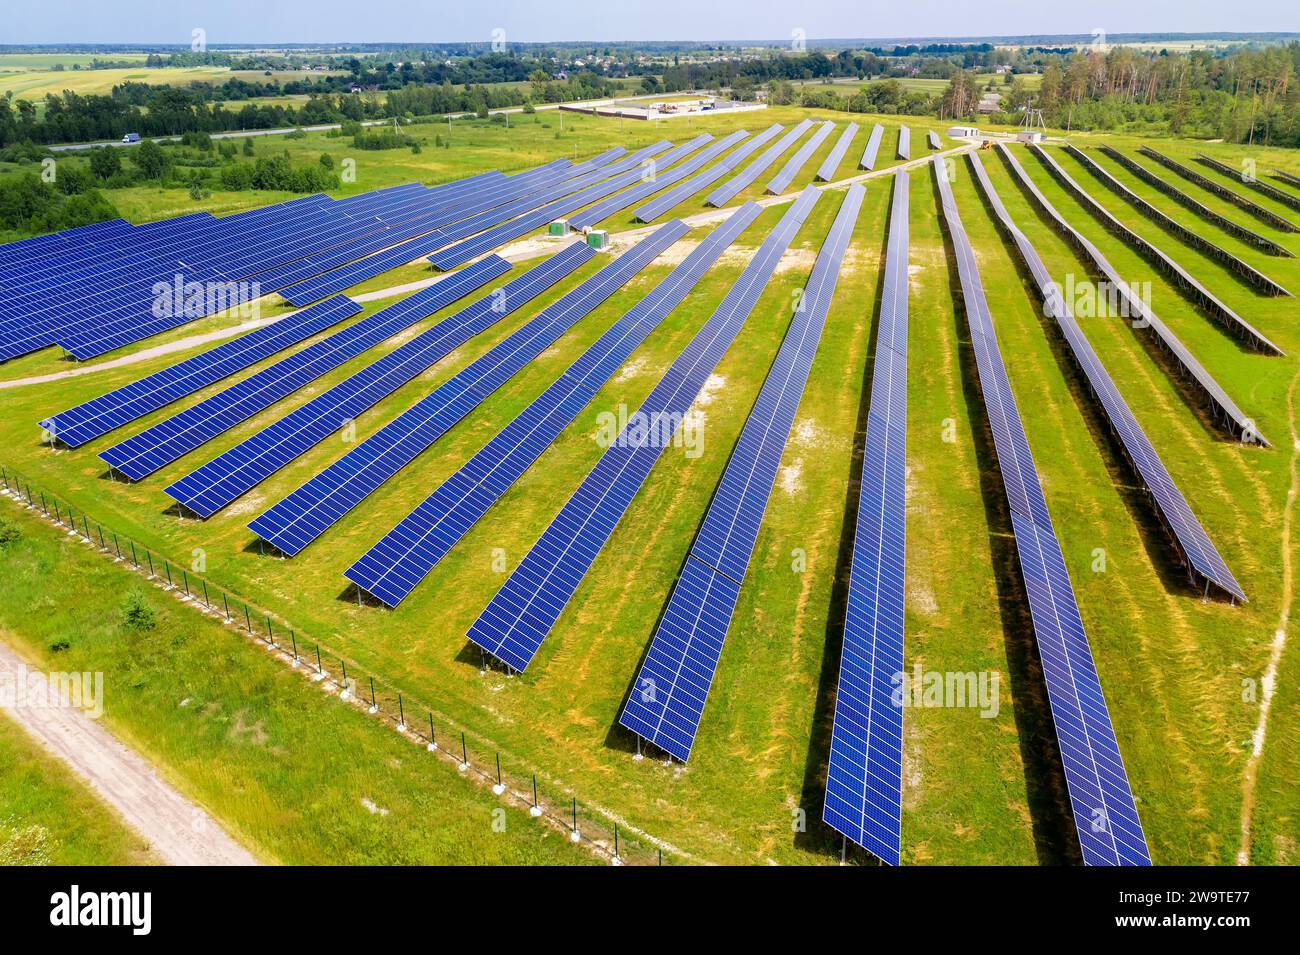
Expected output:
(1194, 545)
(400, 560)
(680, 193)
(1283, 176)
(868, 160)
(826, 172)
(1267, 246)
(653, 183)
(141, 455)
(1210, 303)
(864, 783)
(1142, 317)
(97, 417)
(309, 511)
(904, 143)
(1105, 813)
(1222, 191)
(672, 687)
(242, 467)
(524, 610)
(1250, 181)
(747, 176)
(796, 162)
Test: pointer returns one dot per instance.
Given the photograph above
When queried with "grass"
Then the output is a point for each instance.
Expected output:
(977, 790)
(245, 737)
(48, 818)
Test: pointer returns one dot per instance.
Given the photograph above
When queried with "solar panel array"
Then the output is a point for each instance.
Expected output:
(1105, 813)
(680, 193)
(1282, 176)
(1210, 303)
(1226, 412)
(1222, 191)
(796, 162)
(242, 467)
(933, 138)
(654, 183)
(141, 455)
(567, 205)
(309, 511)
(524, 610)
(747, 176)
(1250, 182)
(827, 170)
(904, 143)
(868, 160)
(672, 687)
(864, 783)
(1267, 246)
(1194, 545)
(97, 417)
(400, 560)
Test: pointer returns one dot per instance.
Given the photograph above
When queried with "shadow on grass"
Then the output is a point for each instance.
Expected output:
(1047, 796)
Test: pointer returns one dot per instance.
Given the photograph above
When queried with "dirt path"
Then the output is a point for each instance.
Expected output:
(1269, 681)
(178, 831)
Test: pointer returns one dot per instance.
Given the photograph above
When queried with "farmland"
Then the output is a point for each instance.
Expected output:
(977, 790)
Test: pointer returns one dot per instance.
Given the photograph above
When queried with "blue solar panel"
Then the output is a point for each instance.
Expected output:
(672, 687)
(166, 441)
(864, 773)
(662, 204)
(310, 510)
(1194, 545)
(235, 471)
(525, 609)
(868, 160)
(796, 162)
(1105, 813)
(904, 143)
(747, 176)
(391, 569)
(1142, 317)
(654, 183)
(97, 417)
(827, 170)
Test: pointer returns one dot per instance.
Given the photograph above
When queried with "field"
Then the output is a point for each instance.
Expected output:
(977, 790)
(35, 84)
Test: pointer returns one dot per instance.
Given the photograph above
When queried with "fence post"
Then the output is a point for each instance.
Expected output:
(118, 547)
(225, 604)
(168, 567)
(293, 638)
(206, 602)
(248, 621)
(433, 738)
(185, 579)
(401, 714)
(149, 557)
(464, 753)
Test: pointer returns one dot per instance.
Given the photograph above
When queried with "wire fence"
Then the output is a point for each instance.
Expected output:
(440, 736)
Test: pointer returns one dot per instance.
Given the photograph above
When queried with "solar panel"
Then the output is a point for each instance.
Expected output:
(1194, 545)
(524, 610)
(672, 687)
(933, 138)
(1250, 182)
(680, 193)
(1268, 246)
(904, 143)
(1222, 191)
(827, 170)
(1105, 813)
(400, 560)
(796, 162)
(1226, 412)
(747, 176)
(141, 455)
(864, 784)
(97, 417)
(1283, 176)
(1211, 304)
(868, 160)
(309, 511)
(242, 467)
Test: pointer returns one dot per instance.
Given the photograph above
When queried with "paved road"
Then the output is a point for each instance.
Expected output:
(177, 830)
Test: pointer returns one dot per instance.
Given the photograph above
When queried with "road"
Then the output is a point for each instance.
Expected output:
(177, 830)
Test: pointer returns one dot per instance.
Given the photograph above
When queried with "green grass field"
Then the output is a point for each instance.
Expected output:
(48, 818)
(976, 790)
(34, 84)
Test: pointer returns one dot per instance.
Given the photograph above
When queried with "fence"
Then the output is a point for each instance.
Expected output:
(351, 683)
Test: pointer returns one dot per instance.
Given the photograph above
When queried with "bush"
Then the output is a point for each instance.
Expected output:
(137, 614)
(105, 162)
(10, 533)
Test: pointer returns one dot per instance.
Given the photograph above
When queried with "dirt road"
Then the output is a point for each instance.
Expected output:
(178, 831)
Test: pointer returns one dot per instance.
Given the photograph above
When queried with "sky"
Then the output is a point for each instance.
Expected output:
(415, 22)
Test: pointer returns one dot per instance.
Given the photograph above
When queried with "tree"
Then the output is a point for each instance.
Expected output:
(248, 145)
(105, 162)
(149, 159)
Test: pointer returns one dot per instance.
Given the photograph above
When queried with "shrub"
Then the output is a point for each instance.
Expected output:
(10, 533)
(137, 614)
